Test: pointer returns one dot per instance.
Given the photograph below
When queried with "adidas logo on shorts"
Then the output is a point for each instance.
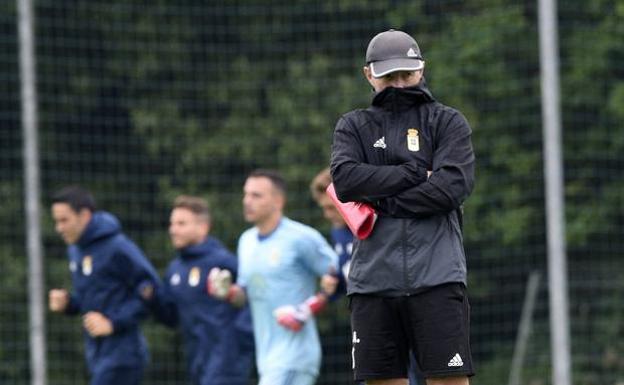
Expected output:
(456, 361)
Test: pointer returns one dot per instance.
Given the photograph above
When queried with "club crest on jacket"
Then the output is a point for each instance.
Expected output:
(193, 278)
(412, 140)
(87, 265)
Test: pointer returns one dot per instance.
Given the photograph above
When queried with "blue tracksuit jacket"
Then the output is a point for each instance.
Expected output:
(218, 336)
(342, 239)
(108, 271)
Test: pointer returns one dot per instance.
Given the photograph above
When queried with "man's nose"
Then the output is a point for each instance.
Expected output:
(398, 82)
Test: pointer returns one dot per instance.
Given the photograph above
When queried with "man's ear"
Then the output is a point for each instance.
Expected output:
(206, 228)
(85, 215)
(367, 73)
(369, 76)
(280, 201)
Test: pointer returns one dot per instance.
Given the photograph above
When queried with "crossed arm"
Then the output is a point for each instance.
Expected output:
(407, 190)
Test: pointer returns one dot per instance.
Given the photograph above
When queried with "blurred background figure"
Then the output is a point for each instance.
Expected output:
(340, 234)
(280, 263)
(217, 336)
(111, 278)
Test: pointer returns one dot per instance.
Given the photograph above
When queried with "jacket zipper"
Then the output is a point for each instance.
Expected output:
(393, 120)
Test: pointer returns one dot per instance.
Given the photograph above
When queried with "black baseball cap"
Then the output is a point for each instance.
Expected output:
(392, 51)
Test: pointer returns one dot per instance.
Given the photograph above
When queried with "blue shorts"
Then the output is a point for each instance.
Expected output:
(287, 377)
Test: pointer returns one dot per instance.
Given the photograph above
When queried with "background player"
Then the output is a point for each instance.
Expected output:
(341, 236)
(217, 336)
(280, 263)
(110, 277)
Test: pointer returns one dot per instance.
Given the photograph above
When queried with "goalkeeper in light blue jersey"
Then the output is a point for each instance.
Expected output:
(280, 264)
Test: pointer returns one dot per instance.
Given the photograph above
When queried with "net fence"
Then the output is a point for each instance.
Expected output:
(143, 100)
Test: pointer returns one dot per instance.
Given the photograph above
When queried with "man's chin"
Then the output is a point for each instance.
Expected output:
(178, 245)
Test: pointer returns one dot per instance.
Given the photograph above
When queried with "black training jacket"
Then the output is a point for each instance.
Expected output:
(381, 156)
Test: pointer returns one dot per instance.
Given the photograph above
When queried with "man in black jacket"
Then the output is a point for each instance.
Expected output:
(411, 158)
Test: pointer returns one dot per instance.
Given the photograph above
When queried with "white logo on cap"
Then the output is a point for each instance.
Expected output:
(412, 53)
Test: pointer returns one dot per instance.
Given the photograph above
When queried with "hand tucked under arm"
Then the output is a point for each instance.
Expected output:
(355, 180)
(449, 183)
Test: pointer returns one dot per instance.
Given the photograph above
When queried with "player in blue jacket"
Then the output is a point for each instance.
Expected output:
(218, 336)
(281, 262)
(110, 277)
(341, 236)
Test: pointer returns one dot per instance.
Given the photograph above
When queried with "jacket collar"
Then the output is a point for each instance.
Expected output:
(101, 225)
(209, 245)
(402, 98)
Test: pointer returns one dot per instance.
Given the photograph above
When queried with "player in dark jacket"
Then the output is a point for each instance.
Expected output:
(411, 157)
(109, 275)
(218, 336)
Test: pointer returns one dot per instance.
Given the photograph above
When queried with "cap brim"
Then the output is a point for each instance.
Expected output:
(383, 68)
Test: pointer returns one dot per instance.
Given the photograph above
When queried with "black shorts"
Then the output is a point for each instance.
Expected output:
(434, 324)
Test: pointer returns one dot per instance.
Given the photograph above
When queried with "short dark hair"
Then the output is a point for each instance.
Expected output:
(194, 204)
(277, 180)
(76, 197)
(319, 184)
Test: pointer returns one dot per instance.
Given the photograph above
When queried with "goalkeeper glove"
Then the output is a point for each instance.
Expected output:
(219, 283)
(294, 317)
